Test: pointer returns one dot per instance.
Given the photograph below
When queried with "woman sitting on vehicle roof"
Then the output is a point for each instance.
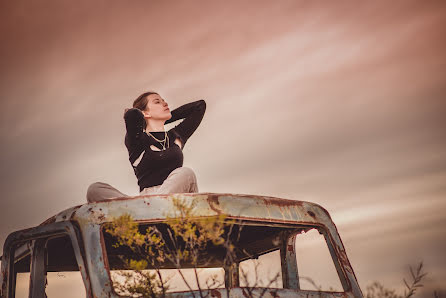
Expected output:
(156, 154)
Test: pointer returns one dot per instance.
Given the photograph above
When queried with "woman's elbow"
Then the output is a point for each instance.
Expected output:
(202, 105)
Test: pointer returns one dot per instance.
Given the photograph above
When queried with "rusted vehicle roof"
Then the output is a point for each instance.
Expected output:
(83, 226)
(152, 207)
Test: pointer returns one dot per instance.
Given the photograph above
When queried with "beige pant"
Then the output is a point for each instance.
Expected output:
(180, 180)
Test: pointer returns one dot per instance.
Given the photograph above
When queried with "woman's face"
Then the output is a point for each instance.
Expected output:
(157, 108)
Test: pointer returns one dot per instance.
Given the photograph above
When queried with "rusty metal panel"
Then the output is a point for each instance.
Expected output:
(241, 206)
(290, 276)
(96, 261)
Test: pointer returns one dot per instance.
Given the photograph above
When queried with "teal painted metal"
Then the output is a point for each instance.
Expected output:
(83, 225)
(289, 263)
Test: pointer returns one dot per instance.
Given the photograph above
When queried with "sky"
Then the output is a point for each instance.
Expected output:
(339, 103)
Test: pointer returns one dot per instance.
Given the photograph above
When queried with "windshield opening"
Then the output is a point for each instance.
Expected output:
(245, 254)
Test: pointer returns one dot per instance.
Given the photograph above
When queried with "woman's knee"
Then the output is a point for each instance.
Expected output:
(189, 173)
(184, 174)
(93, 190)
(94, 187)
(99, 191)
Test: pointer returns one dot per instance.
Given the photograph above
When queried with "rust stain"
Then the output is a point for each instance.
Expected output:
(344, 260)
(215, 293)
(73, 214)
(213, 202)
(104, 251)
(245, 293)
(281, 202)
(126, 198)
(311, 213)
(290, 247)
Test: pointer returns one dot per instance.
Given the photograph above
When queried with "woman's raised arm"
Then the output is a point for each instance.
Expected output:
(192, 113)
(134, 124)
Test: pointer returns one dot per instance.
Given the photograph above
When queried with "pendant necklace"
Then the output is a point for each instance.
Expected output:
(162, 142)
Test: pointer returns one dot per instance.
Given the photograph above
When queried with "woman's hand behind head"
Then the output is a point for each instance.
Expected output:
(125, 111)
(133, 111)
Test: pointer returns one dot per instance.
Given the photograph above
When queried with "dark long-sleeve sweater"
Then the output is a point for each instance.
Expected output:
(152, 167)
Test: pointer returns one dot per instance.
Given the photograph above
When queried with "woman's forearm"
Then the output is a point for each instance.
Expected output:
(192, 113)
(185, 110)
(134, 123)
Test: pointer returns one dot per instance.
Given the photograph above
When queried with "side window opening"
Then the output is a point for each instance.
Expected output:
(258, 257)
(63, 276)
(211, 278)
(22, 271)
(59, 274)
(37, 264)
(316, 269)
(257, 250)
(264, 271)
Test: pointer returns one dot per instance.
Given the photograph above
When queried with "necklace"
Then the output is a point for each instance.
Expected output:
(162, 142)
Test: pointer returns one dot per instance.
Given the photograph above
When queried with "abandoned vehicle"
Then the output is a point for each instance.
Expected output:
(280, 233)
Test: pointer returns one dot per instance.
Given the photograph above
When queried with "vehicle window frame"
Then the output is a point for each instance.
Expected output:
(322, 229)
(36, 239)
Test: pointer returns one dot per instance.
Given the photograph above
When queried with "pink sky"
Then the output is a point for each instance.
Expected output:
(337, 103)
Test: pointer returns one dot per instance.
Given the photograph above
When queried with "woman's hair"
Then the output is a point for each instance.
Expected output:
(141, 102)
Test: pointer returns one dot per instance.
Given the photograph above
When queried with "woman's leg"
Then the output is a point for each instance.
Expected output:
(150, 190)
(180, 180)
(100, 191)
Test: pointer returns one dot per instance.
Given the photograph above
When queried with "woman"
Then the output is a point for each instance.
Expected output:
(155, 154)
